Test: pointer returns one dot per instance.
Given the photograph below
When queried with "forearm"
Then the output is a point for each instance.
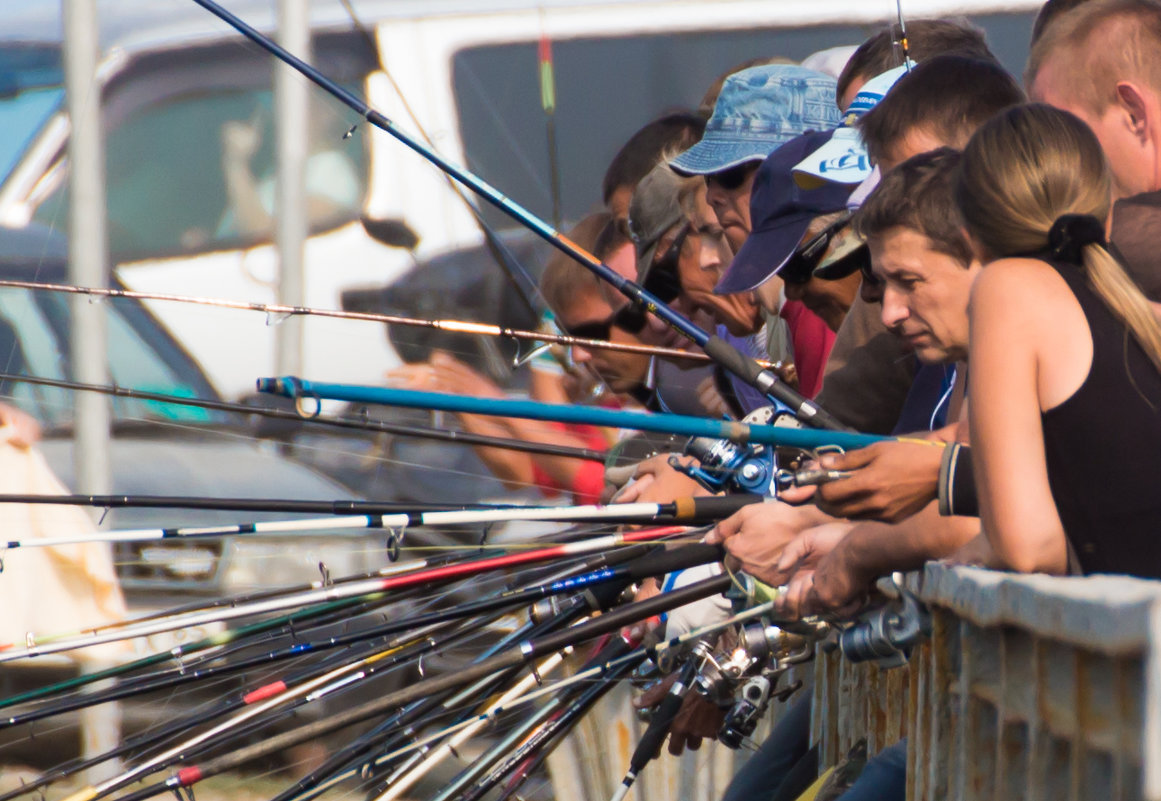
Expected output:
(880, 548)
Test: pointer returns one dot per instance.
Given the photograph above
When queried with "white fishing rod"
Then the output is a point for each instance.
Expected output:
(684, 510)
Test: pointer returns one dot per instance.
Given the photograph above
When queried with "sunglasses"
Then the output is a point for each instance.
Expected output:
(800, 267)
(629, 318)
(663, 280)
(734, 177)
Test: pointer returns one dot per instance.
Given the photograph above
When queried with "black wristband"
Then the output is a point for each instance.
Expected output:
(957, 482)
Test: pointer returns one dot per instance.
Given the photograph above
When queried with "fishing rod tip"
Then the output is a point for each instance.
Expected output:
(287, 385)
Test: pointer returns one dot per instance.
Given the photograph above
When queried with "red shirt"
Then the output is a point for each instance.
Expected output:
(812, 341)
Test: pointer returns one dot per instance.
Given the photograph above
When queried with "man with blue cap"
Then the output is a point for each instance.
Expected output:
(757, 110)
(793, 231)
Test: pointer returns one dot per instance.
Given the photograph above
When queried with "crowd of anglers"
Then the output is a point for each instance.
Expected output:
(885, 306)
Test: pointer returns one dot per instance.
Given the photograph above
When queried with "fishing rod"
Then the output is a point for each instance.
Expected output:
(178, 652)
(807, 439)
(526, 652)
(362, 424)
(436, 575)
(352, 759)
(402, 780)
(278, 310)
(313, 690)
(525, 286)
(550, 719)
(660, 564)
(275, 696)
(565, 613)
(721, 351)
(685, 510)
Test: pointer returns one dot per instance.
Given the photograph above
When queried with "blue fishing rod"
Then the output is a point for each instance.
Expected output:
(306, 392)
(725, 354)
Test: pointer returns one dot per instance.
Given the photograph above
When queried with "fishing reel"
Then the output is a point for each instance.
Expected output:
(887, 633)
(742, 679)
(725, 466)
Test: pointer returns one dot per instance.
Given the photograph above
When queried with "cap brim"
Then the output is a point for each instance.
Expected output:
(842, 160)
(764, 253)
(846, 258)
(717, 155)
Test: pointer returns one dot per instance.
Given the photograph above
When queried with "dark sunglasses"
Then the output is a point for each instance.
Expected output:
(734, 177)
(629, 318)
(800, 267)
(663, 280)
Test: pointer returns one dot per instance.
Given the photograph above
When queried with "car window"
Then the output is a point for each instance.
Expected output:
(190, 154)
(34, 330)
(30, 92)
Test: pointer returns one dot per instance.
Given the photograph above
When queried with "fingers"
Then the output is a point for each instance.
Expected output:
(731, 526)
(849, 460)
(796, 495)
(792, 602)
(654, 695)
(794, 552)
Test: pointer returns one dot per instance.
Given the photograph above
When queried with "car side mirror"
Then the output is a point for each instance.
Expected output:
(392, 232)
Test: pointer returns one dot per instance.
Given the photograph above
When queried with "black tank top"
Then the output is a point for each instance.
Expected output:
(1103, 448)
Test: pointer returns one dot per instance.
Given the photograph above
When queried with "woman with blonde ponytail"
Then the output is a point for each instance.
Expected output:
(1065, 355)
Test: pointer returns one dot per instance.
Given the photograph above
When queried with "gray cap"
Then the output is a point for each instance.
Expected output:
(654, 209)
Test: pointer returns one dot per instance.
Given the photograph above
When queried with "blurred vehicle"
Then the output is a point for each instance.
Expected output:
(159, 449)
(180, 89)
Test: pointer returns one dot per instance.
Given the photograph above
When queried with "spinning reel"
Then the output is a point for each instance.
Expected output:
(725, 466)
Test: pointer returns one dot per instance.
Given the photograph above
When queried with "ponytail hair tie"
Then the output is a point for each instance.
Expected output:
(1071, 232)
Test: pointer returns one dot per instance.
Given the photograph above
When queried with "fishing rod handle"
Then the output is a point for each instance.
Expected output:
(674, 560)
(768, 383)
(712, 508)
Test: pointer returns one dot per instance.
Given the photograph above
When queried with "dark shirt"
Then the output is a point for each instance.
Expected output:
(1103, 448)
(1135, 236)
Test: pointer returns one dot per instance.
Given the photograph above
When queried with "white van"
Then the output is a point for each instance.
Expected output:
(188, 115)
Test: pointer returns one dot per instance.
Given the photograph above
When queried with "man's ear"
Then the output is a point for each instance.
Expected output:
(1136, 107)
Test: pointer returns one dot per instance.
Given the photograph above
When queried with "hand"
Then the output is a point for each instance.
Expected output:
(241, 140)
(755, 535)
(835, 586)
(806, 550)
(444, 373)
(656, 482)
(697, 719)
(637, 631)
(711, 399)
(892, 481)
(23, 429)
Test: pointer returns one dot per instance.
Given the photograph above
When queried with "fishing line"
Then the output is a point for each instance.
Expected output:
(723, 352)
(450, 326)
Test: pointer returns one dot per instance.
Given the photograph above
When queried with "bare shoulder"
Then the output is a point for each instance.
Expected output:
(1027, 288)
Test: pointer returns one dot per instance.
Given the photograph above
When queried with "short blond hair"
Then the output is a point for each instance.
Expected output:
(1098, 44)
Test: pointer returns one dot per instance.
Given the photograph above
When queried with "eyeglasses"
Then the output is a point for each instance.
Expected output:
(801, 265)
(734, 177)
(663, 280)
(629, 318)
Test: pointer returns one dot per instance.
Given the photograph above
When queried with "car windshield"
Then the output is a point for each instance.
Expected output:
(34, 331)
(31, 91)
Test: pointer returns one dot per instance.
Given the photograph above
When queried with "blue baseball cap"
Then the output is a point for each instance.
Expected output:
(781, 211)
(757, 110)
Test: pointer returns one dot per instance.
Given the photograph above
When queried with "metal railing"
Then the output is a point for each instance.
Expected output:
(1031, 687)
